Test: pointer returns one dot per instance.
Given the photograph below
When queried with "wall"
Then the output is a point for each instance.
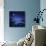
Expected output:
(43, 6)
(30, 7)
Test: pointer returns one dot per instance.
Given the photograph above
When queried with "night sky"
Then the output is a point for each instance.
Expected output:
(17, 19)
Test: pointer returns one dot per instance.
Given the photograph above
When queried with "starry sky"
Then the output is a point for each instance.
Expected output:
(17, 18)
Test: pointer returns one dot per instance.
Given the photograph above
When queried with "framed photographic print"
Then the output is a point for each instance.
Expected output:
(17, 18)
